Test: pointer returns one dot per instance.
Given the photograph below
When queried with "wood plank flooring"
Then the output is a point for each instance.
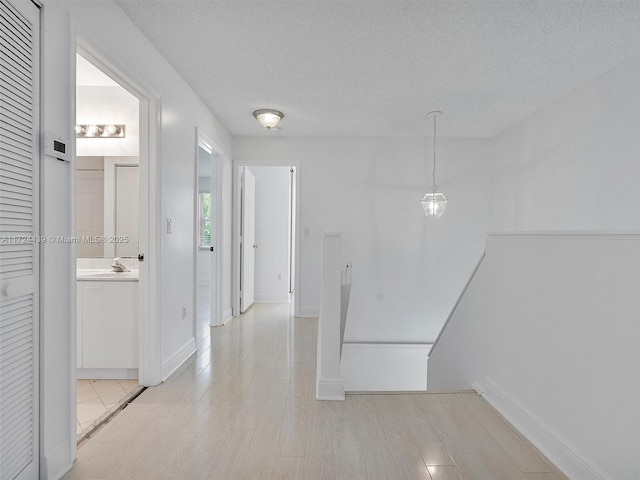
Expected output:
(244, 409)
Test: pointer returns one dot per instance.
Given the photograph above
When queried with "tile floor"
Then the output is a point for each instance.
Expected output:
(98, 398)
(244, 408)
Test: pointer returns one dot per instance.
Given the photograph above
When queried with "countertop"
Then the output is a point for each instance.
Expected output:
(105, 275)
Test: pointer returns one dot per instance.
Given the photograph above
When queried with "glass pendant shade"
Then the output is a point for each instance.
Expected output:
(434, 203)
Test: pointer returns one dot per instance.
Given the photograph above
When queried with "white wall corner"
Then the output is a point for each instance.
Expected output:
(478, 388)
(309, 312)
(572, 464)
(176, 360)
(227, 315)
(58, 461)
(330, 389)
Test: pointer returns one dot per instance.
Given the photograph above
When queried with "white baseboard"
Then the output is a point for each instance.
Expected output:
(558, 452)
(381, 366)
(271, 297)
(309, 312)
(227, 315)
(330, 389)
(107, 373)
(174, 362)
(59, 461)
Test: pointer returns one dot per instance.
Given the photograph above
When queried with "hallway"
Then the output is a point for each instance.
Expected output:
(244, 408)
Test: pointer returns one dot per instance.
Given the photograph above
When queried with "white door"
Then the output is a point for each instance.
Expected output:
(19, 221)
(248, 240)
(207, 302)
(126, 205)
(213, 254)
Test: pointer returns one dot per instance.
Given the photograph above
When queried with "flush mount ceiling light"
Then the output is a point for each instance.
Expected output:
(268, 118)
(435, 202)
(100, 131)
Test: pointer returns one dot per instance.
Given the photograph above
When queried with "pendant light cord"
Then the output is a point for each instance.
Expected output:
(434, 148)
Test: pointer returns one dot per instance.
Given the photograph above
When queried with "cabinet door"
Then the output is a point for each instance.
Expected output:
(110, 327)
(79, 324)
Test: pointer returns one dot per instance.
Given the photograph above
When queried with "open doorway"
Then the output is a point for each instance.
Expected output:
(112, 230)
(266, 234)
(208, 222)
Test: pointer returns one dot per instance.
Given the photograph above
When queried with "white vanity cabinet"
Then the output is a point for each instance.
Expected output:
(107, 327)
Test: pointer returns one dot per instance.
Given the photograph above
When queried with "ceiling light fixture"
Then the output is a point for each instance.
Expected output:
(100, 131)
(268, 118)
(435, 202)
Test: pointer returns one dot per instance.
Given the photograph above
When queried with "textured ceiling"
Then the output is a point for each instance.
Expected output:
(374, 68)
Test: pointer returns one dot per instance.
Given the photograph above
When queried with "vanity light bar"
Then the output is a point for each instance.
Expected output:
(100, 131)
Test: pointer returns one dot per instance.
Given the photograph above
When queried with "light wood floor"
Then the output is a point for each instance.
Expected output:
(244, 408)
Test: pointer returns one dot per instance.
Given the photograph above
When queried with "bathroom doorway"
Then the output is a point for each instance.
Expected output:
(208, 235)
(111, 206)
(266, 235)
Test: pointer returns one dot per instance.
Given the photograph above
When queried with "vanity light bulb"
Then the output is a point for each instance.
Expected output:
(112, 130)
(81, 130)
(92, 129)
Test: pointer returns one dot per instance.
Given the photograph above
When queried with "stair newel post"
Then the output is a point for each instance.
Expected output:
(328, 380)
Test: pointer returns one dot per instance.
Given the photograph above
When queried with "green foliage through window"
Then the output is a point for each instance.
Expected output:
(205, 233)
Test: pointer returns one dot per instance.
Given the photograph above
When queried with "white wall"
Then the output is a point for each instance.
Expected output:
(574, 165)
(272, 233)
(407, 269)
(549, 330)
(182, 111)
(558, 342)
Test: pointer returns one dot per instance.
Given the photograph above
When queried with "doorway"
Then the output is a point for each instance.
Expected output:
(266, 221)
(208, 225)
(113, 204)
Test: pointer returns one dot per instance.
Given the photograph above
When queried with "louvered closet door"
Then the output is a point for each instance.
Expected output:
(19, 158)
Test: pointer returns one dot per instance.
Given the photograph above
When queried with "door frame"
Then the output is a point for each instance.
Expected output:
(149, 335)
(204, 142)
(236, 251)
(247, 246)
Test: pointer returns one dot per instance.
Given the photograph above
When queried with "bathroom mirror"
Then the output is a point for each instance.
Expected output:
(107, 207)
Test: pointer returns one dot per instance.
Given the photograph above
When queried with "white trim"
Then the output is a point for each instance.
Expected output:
(572, 464)
(622, 235)
(203, 141)
(150, 364)
(176, 360)
(308, 312)
(330, 389)
(227, 315)
(271, 297)
(58, 462)
(107, 373)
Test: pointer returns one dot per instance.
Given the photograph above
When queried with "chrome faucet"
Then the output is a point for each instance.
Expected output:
(118, 266)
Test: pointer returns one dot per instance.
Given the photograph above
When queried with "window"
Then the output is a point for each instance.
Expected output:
(204, 223)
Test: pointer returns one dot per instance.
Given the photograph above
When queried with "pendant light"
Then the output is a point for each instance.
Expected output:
(435, 202)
